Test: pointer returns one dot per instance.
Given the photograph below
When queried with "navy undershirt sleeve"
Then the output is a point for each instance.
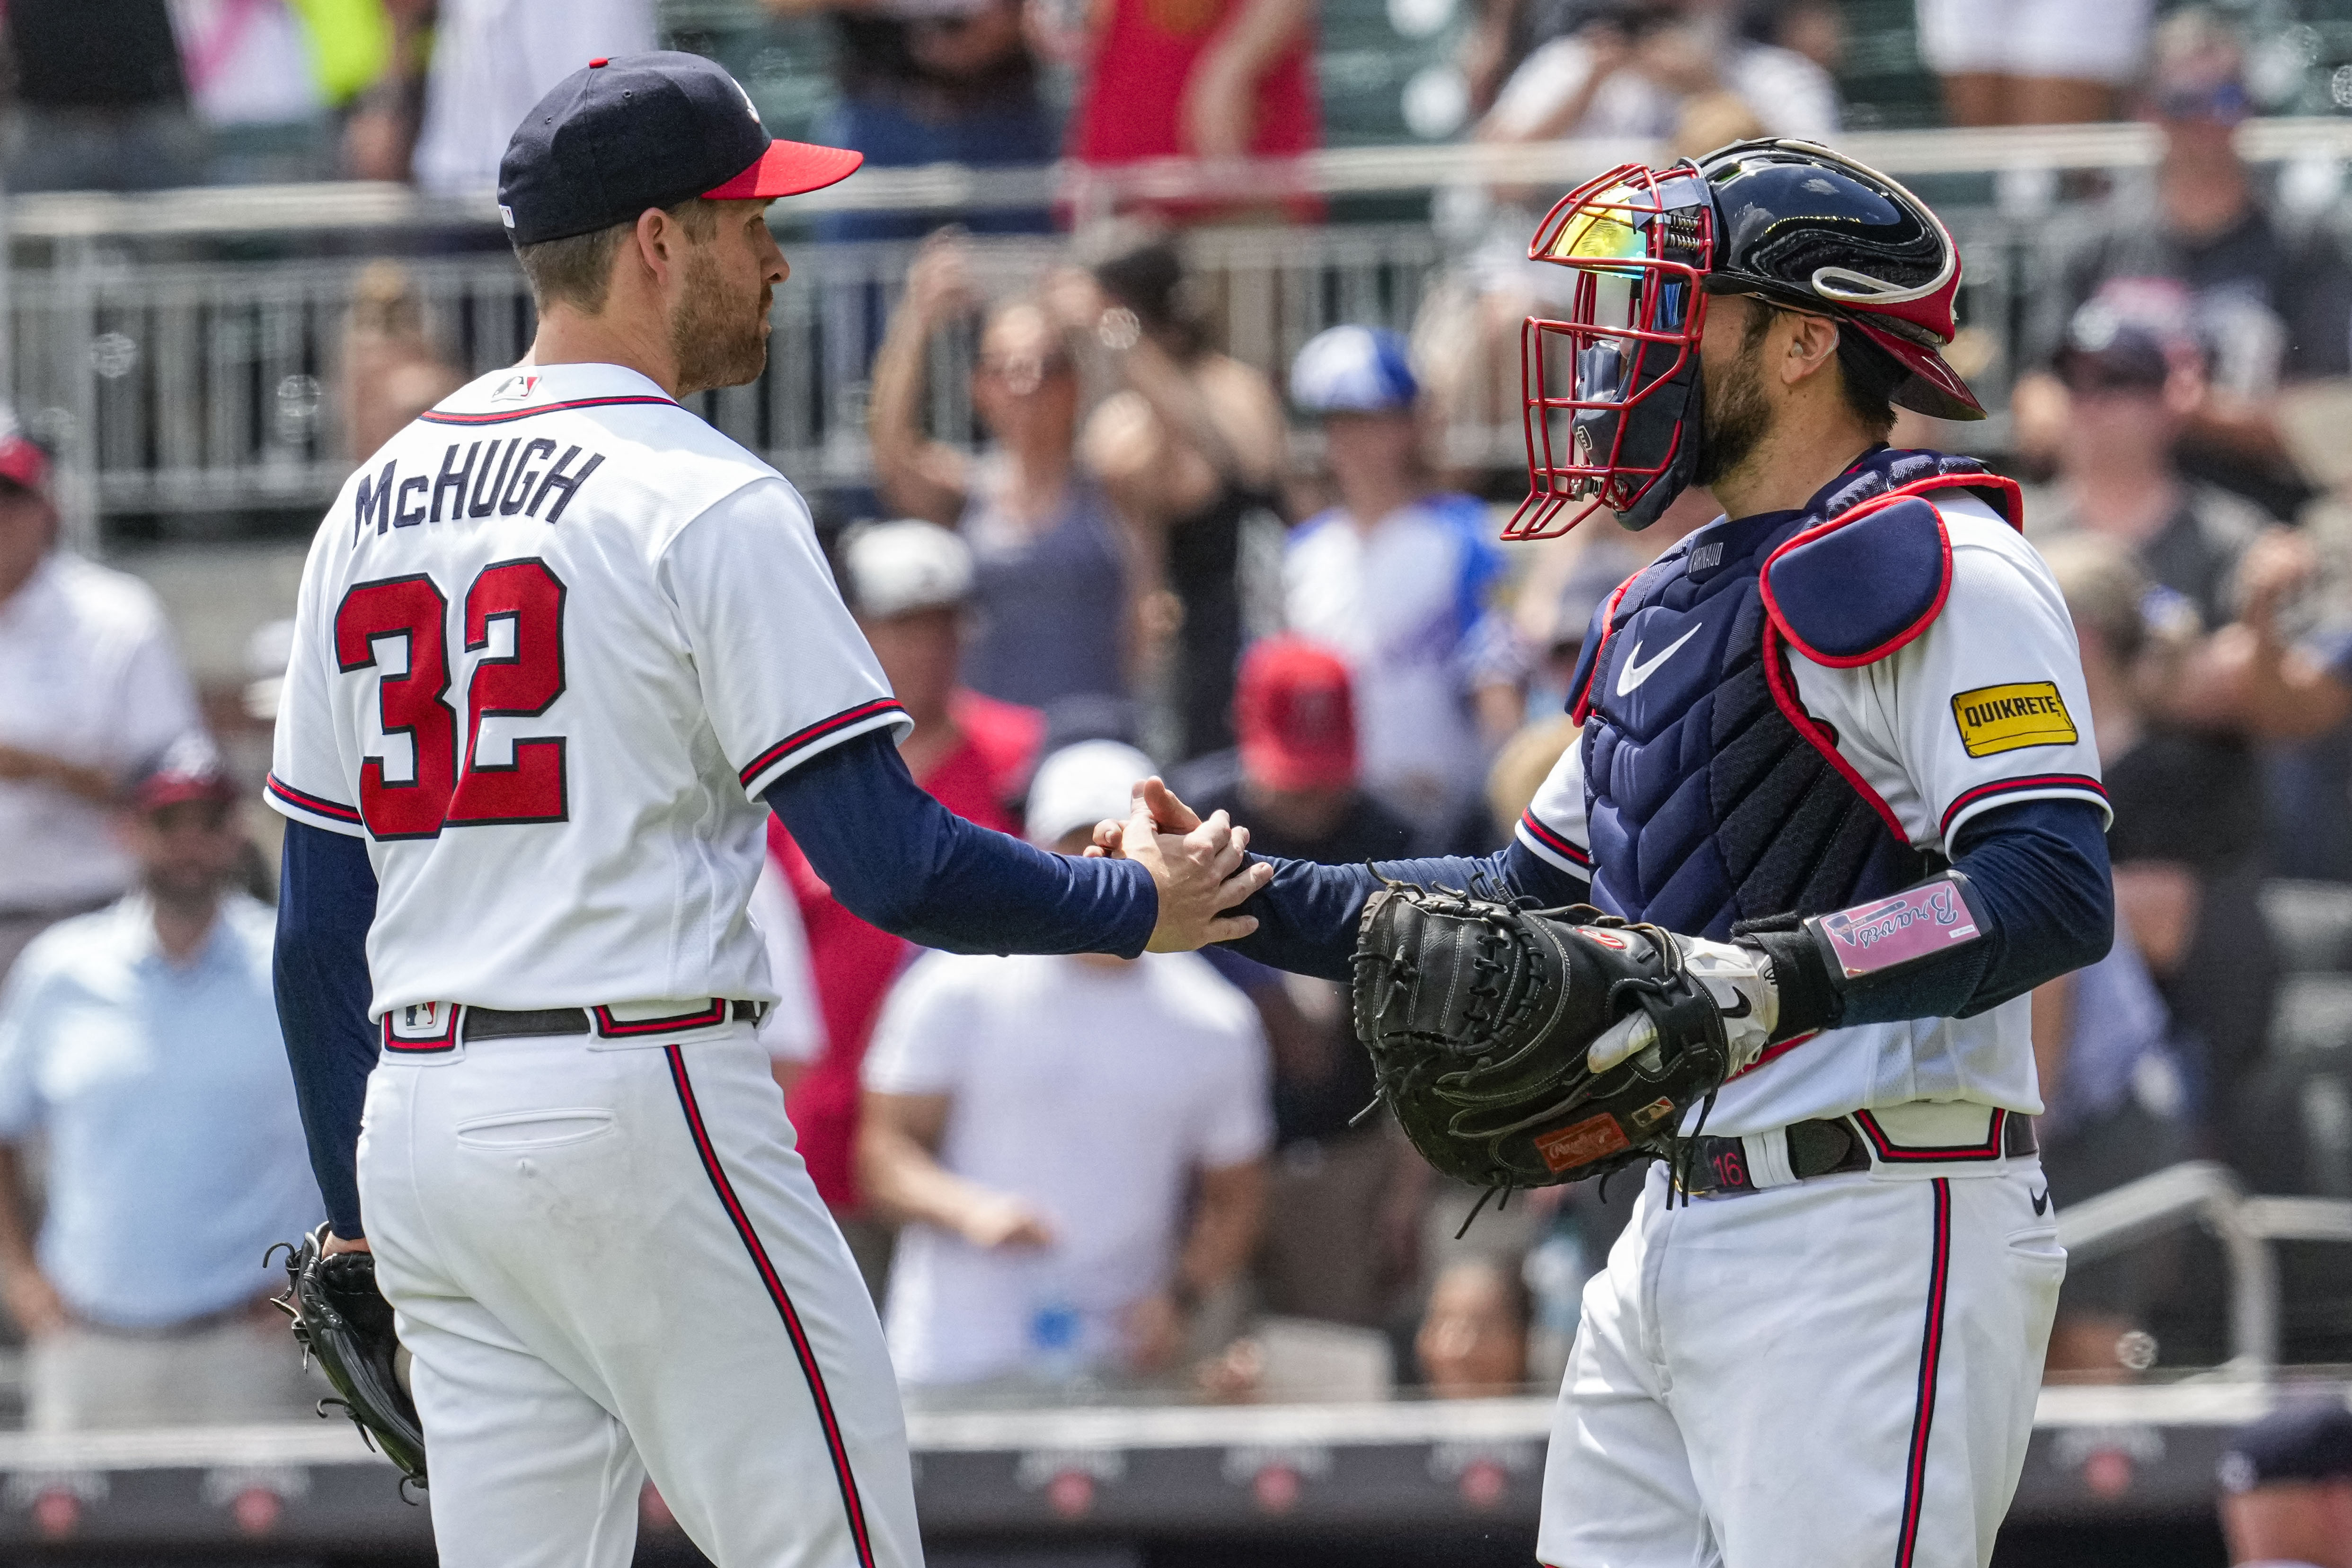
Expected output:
(898, 859)
(2039, 883)
(2040, 868)
(1307, 916)
(326, 902)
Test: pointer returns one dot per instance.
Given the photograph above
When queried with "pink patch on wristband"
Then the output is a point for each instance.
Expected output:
(1871, 939)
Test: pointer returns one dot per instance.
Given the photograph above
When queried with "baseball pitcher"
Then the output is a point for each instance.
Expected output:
(561, 647)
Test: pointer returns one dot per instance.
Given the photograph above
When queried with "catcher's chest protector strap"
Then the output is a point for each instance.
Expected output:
(1714, 796)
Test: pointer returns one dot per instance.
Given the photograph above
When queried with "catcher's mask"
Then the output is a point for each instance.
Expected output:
(1612, 393)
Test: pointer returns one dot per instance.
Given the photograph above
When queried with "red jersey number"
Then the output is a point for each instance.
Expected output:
(522, 683)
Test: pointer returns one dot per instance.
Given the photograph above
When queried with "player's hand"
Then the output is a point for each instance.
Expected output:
(999, 1220)
(1199, 874)
(1169, 814)
(337, 1244)
(1740, 980)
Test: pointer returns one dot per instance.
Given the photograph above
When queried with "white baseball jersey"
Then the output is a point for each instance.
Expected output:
(553, 640)
(1986, 708)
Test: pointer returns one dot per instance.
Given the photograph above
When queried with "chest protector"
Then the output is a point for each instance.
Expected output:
(1713, 795)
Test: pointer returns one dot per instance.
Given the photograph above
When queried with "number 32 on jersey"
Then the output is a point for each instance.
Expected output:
(450, 787)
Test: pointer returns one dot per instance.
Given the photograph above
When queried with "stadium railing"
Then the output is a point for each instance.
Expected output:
(177, 380)
(2247, 1227)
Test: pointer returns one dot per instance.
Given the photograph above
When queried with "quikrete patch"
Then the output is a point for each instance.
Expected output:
(1995, 719)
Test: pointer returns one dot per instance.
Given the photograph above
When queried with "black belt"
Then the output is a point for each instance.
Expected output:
(497, 1023)
(1819, 1147)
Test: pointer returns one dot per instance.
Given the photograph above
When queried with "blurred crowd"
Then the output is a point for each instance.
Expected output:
(1084, 1176)
(145, 94)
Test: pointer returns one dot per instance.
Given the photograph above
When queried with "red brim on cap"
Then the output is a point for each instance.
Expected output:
(175, 789)
(1934, 388)
(789, 169)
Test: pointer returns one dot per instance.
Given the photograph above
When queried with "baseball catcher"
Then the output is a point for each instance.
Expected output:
(1770, 926)
(343, 1321)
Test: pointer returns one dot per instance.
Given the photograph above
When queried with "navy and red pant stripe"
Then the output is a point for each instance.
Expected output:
(852, 1504)
(1931, 1354)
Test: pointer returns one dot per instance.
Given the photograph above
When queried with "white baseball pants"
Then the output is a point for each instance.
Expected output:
(1838, 1373)
(609, 1262)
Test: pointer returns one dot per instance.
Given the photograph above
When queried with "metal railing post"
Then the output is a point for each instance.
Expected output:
(2254, 1283)
(77, 493)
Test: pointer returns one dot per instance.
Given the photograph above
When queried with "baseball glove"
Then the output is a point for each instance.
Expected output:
(343, 1320)
(1482, 1017)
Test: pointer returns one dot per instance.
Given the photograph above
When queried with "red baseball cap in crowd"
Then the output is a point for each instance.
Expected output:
(1295, 712)
(22, 461)
(189, 769)
(632, 132)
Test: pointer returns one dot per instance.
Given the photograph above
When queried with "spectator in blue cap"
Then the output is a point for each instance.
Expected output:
(2286, 1489)
(1396, 577)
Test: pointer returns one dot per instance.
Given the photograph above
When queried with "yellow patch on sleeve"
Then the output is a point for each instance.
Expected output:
(1994, 719)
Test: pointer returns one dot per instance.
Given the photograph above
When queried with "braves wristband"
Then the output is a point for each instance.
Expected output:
(1895, 936)
(1916, 953)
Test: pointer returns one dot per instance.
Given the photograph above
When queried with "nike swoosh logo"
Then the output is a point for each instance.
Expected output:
(1636, 671)
(2042, 1201)
(1738, 1007)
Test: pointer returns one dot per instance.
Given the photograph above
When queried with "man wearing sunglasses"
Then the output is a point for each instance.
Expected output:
(1837, 768)
(2270, 296)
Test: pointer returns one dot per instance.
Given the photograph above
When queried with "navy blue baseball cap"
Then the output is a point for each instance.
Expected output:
(2307, 1440)
(622, 134)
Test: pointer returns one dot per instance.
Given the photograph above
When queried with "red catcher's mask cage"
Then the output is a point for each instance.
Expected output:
(1640, 240)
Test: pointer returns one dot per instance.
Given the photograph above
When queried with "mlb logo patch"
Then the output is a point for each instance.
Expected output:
(420, 1027)
(514, 388)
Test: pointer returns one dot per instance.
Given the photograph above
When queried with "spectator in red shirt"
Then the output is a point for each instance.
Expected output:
(1201, 78)
(909, 584)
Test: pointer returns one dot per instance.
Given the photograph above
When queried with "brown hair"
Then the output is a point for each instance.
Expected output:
(577, 270)
(1868, 374)
(1867, 377)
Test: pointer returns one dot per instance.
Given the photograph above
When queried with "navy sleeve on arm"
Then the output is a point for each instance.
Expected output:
(326, 902)
(1307, 916)
(2037, 877)
(898, 859)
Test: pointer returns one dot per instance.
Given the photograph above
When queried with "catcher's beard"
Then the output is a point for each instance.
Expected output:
(718, 336)
(1738, 415)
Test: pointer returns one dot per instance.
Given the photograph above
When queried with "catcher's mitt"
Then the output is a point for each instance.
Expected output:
(1480, 1016)
(343, 1320)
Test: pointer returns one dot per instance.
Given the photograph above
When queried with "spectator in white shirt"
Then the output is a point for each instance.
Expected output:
(1395, 579)
(492, 59)
(90, 693)
(141, 1044)
(1039, 1124)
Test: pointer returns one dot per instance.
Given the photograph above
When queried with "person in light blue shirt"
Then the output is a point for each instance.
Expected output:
(140, 1043)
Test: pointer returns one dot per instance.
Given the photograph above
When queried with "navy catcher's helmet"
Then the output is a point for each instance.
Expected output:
(1790, 222)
